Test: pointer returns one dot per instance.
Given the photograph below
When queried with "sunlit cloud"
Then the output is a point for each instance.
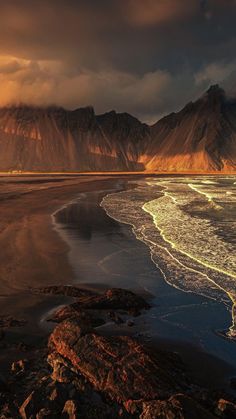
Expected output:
(153, 12)
(215, 72)
(147, 58)
(49, 82)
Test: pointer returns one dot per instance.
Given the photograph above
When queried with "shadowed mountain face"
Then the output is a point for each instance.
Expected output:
(200, 137)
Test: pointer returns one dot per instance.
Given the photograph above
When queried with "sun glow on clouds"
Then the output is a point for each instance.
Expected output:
(153, 12)
(215, 72)
(148, 58)
(23, 80)
(49, 82)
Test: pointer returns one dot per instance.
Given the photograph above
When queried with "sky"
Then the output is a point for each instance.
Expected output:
(145, 57)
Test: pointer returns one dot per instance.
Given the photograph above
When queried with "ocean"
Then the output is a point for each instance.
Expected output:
(171, 238)
(189, 224)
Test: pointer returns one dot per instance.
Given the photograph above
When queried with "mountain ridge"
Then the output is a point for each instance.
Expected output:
(200, 137)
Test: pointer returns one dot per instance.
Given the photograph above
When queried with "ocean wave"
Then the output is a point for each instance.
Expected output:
(178, 218)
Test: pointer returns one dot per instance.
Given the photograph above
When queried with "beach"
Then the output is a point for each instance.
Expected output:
(32, 253)
(54, 232)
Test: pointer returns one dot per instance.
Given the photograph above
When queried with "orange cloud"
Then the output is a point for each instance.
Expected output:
(151, 12)
(50, 82)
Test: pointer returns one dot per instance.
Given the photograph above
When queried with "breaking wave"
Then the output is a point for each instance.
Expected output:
(189, 225)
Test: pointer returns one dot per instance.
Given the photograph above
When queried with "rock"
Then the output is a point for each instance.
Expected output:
(112, 299)
(73, 311)
(63, 313)
(116, 366)
(30, 406)
(70, 410)
(105, 377)
(55, 395)
(8, 321)
(226, 409)
(46, 413)
(19, 366)
(117, 299)
(66, 290)
(47, 399)
(92, 310)
(61, 373)
(115, 317)
(66, 334)
(7, 409)
(79, 390)
(178, 406)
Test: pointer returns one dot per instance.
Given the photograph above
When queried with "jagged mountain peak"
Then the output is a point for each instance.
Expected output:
(120, 117)
(200, 137)
(214, 97)
(215, 90)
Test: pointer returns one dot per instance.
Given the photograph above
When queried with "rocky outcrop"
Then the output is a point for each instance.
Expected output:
(8, 322)
(110, 300)
(86, 374)
(117, 366)
(201, 137)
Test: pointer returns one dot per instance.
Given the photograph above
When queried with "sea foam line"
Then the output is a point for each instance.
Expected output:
(140, 234)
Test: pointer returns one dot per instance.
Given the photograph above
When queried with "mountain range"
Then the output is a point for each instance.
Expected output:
(201, 137)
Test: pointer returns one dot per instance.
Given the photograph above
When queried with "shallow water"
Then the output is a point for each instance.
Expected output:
(104, 251)
(191, 232)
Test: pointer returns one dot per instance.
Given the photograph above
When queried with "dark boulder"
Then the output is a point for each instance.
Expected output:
(112, 299)
(117, 299)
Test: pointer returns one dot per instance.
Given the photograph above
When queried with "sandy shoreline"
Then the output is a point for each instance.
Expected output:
(121, 173)
(26, 226)
(33, 255)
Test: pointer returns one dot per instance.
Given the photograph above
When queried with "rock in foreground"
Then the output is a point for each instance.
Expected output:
(117, 366)
(84, 374)
(112, 299)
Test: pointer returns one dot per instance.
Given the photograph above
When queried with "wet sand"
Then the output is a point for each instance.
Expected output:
(33, 254)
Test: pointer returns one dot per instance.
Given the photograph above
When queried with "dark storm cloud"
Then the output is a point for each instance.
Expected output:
(147, 57)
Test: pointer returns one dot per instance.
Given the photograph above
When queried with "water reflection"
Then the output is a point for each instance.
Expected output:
(104, 252)
(86, 218)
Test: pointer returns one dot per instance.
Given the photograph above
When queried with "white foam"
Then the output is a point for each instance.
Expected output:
(188, 249)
